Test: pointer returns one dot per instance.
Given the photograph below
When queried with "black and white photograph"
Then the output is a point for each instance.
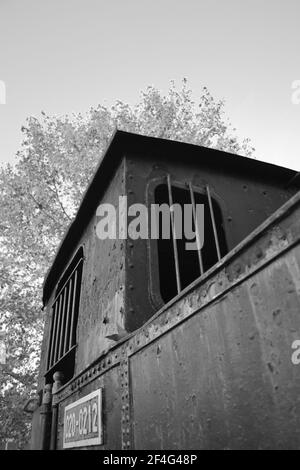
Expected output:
(149, 229)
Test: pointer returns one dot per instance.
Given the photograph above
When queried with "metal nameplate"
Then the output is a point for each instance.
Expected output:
(83, 421)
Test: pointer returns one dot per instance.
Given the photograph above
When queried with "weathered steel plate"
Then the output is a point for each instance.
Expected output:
(83, 421)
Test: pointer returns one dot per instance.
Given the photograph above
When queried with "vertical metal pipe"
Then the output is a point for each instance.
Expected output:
(53, 435)
(45, 416)
(57, 383)
(174, 235)
(213, 222)
(73, 309)
(196, 229)
(68, 319)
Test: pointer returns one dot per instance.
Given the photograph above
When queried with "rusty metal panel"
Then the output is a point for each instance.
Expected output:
(102, 290)
(212, 369)
(245, 199)
(224, 378)
(111, 409)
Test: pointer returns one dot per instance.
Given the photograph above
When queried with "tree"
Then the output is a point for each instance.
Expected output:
(40, 194)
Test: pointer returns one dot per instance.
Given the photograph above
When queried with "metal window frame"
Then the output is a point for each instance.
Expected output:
(62, 335)
(205, 190)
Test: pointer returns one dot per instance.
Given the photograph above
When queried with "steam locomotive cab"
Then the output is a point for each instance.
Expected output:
(108, 298)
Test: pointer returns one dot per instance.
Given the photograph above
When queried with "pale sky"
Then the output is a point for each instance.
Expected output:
(62, 56)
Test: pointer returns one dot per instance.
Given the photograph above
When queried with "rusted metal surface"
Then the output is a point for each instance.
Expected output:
(224, 379)
(111, 417)
(120, 280)
(213, 368)
(126, 411)
(125, 143)
(246, 200)
(187, 374)
(102, 291)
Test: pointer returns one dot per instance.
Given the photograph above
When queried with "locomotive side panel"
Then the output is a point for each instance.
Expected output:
(213, 368)
(110, 387)
(223, 378)
(245, 201)
(101, 298)
(188, 367)
(103, 284)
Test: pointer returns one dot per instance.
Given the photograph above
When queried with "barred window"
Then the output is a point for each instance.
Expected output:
(64, 319)
(177, 266)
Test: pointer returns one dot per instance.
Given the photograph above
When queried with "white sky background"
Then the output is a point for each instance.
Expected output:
(62, 56)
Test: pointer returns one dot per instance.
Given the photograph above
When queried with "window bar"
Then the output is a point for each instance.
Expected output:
(52, 335)
(174, 236)
(73, 309)
(68, 312)
(63, 322)
(55, 332)
(56, 352)
(196, 228)
(68, 278)
(213, 221)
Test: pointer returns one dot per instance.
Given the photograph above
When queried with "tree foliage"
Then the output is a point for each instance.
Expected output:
(40, 193)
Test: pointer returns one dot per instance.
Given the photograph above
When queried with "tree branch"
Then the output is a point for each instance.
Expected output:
(19, 378)
(55, 191)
